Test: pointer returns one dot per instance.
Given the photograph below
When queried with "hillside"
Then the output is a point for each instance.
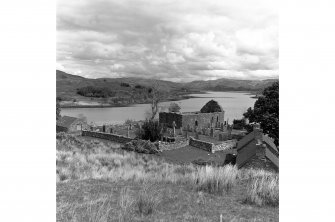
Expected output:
(98, 181)
(124, 91)
(230, 85)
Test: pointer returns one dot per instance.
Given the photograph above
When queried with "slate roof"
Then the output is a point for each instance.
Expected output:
(271, 151)
(66, 121)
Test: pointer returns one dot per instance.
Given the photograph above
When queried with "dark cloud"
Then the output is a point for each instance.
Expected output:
(168, 39)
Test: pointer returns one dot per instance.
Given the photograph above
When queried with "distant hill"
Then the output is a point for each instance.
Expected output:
(230, 85)
(122, 91)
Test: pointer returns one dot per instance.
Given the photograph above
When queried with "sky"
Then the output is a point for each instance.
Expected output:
(174, 40)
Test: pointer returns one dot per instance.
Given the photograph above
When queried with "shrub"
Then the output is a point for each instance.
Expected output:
(151, 130)
(174, 107)
(91, 91)
(123, 84)
(141, 146)
(139, 87)
(211, 107)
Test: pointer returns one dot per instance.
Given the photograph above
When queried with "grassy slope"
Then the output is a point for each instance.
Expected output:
(99, 182)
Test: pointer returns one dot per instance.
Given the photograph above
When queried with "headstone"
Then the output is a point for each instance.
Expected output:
(103, 128)
(174, 128)
(222, 127)
(128, 131)
(196, 135)
(111, 130)
(130, 126)
(212, 132)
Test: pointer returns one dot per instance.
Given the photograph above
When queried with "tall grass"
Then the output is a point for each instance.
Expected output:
(263, 189)
(147, 200)
(77, 159)
(215, 180)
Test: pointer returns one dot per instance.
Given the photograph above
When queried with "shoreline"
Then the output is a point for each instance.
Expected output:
(184, 97)
(126, 105)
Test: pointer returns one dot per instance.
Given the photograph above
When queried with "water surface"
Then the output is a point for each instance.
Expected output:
(234, 104)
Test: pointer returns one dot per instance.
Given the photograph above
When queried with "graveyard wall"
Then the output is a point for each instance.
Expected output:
(201, 144)
(174, 145)
(107, 136)
(226, 145)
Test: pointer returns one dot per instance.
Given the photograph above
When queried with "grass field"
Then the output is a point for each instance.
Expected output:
(99, 182)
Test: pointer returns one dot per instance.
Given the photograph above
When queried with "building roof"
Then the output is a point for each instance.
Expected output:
(271, 151)
(66, 121)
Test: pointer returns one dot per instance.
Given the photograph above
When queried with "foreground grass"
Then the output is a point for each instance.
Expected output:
(98, 183)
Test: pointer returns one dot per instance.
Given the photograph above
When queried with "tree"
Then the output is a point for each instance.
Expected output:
(211, 107)
(155, 97)
(174, 108)
(151, 130)
(266, 112)
(57, 110)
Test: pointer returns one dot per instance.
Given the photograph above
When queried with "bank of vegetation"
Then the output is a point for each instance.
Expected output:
(99, 182)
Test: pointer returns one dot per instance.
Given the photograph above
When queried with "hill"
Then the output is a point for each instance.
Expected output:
(230, 85)
(79, 91)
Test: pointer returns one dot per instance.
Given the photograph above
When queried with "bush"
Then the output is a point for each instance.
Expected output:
(141, 146)
(151, 130)
(123, 84)
(174, 107)
(211, 107)
(139, 87)
(239, 124)
(91, 91)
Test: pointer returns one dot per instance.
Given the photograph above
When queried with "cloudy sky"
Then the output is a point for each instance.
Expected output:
(176, 40)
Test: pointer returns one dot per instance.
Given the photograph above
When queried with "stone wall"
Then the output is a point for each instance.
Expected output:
(167, 118)
(202, 120)
(107, 136)
(174, 145)
(226, 145)
(201, 144)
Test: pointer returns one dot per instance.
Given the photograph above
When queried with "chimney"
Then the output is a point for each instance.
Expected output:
(258, 133)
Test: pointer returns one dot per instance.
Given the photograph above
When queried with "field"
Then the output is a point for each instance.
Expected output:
(97, 181)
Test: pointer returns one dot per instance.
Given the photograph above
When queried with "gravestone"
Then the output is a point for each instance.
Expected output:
(130, 126)
(196, 135)
(222, 127)
(111, 130)
(103, 128)
(128, 131)
(212, 132)
(174, 128)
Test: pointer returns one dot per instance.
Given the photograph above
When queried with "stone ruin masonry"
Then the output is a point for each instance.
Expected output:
(107, 136)
(211, 147)
(192, 120)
